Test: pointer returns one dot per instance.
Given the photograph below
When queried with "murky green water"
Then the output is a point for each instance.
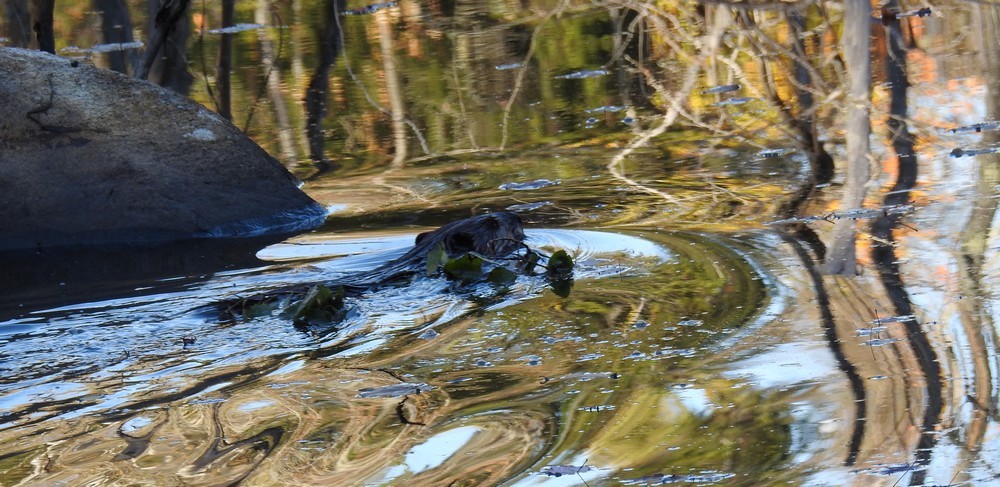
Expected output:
(698, 344)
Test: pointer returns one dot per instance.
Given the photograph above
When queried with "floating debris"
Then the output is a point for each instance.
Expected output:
(606, 109)
(531, 359)
(733, 101)
(597, 409)
(923, 12)
(536, 184)
(858, 214)
(590, 122)
(586, 73)
(865, 332)
(428, 334)
(560, 470)
(891, 469)
(894, 319)
(235, 28)
(663, 479)
(976, 127)
(370, 9)
(113, 47)
(395, 390)
(770, 153)
(585, 376)
(529, 206)
(588, 357)
(958, 152)
(855, 214)
(690, 323)
(804, 219)
(508, 66)
(889, 15)
(721, 89)
(878, 342)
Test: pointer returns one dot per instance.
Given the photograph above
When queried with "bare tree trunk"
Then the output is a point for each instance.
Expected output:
(116, 27)
(857, 26)
(392, 86)
(18, 22)
(222, 70)
(42, 13)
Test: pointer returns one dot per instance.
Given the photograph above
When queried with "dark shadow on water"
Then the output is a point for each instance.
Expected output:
(37, 280)
(837, 348)
(884, 253)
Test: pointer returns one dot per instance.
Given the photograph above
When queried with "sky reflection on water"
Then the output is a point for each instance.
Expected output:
(697, 345)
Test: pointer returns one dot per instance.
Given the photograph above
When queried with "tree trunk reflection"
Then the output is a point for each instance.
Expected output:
(857, 30)
(319, 83)
(116, 27)
(977, 321)
(884, 252)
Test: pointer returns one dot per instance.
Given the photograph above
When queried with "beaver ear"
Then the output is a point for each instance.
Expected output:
(421, 237)
(492, 222)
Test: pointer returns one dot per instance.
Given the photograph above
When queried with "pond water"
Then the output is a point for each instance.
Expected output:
(663, 146)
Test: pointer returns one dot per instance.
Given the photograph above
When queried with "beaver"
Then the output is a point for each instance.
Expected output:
(492, 236)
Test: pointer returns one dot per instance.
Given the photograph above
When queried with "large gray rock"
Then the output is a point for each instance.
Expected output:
(88, 156)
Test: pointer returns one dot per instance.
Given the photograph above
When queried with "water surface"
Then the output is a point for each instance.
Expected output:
(699, 344)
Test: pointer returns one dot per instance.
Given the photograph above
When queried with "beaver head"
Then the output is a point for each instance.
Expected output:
(491, 235)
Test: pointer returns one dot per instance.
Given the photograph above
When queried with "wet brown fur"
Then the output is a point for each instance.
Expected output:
(493, 235)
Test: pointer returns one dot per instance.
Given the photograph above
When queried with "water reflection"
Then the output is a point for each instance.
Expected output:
(476, 375)
(696, 345)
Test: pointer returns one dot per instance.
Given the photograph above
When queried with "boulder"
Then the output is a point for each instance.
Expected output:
(92, 157)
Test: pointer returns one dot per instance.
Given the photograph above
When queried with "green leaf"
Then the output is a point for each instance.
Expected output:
(263, 308)
(436, 257)
(319, 305)
(312, 300)
(466, 268)
(337, 303)
(560, 265)
(501, 276)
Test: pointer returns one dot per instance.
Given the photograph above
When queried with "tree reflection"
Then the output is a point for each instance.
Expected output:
(659, 115)
(977, 322)
(329, 35)
(884, 254)
(116, 27)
